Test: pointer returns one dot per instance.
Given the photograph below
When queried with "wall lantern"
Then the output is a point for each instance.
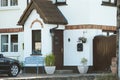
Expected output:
(83, 39)
(52, 32)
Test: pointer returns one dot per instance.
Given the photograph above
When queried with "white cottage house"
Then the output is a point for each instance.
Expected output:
(39, 27)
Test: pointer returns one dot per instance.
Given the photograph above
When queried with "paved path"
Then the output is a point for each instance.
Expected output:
(49, 77)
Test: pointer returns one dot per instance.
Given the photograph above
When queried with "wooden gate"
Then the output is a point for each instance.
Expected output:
(104, 48)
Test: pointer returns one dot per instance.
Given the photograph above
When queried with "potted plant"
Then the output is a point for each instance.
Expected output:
(83, 68)
(113, 66)
(50, 63)
(83, 39)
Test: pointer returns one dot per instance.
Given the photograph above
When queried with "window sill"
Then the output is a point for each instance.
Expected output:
(36, 54)
(60, 3)
(9, 8)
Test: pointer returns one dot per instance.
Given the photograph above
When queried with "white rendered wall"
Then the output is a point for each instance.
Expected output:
(102, 15)
(10, 16)
(72, 57)
(76, 11)
(45, 34)
(88, 12)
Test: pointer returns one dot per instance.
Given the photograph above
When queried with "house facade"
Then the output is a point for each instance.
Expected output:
(39, 27)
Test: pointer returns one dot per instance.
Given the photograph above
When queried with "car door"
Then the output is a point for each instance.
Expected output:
(3, 63)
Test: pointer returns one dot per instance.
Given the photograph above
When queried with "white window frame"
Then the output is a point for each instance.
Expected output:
(9, 6)
(13, 49)
(9, 43)
(4, 44)
(2, 4)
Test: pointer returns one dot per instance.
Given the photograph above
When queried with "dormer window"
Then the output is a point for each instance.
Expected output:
(109, 2)
(8, 3)
(60, 2)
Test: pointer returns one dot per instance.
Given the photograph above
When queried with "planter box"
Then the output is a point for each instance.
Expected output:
(82, 69)
(50, 69)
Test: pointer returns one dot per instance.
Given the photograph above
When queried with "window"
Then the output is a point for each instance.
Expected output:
(4, 43)
(9, 40)
(4, 3)
(14, 43)
(7, 3)
(36, 42)
(60, 2)
(109, 2)
(13, 2)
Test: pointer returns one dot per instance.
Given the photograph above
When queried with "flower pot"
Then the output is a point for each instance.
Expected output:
(82, 69)
(50, 69)
(113, 69)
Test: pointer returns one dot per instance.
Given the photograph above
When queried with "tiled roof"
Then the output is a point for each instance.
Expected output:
(47, 11)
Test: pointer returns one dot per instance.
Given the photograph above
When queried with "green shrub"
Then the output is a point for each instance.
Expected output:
(50, 60)
(84, 61)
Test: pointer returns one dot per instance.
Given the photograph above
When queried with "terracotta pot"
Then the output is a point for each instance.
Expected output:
(113, 69)
(113, 63)
(114, 59)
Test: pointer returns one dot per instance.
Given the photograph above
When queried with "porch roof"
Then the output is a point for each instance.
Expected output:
(47, 11)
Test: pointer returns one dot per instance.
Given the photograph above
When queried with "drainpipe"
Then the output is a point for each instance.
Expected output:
(52, 35)
(27, 2)
(117, 39)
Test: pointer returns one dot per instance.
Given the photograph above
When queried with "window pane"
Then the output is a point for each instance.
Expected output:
(14, 43)
(61, 0)
(4, 3)
(4, 43)
(13, 2)
(36, 42)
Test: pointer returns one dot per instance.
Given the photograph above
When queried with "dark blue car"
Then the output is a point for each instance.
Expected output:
(9, 66)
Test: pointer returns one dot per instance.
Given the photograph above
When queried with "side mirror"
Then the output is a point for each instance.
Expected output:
(1, 55)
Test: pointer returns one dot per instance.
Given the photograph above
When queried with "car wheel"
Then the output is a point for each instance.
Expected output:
(14, 70)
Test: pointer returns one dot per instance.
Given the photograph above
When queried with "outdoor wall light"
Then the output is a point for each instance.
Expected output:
(52, 32)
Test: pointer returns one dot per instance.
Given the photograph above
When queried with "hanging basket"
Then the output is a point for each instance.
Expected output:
(83, 39)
